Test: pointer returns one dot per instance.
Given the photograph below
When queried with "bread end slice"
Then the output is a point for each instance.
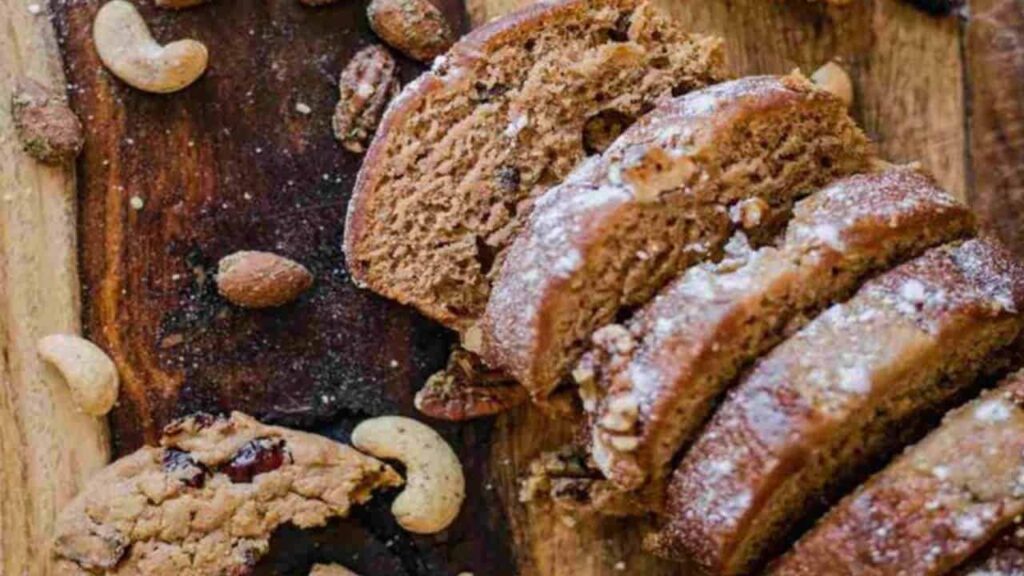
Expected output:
(464, 149)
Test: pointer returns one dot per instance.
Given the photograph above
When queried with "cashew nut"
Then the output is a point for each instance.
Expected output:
(127, 49)
(89, 372)
(435, 485)
(833, 78)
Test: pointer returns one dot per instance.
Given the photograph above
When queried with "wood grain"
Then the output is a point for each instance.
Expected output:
(995, 74)
(230, 164)
(47, 448)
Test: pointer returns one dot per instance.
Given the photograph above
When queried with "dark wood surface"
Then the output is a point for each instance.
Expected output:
(230, 164)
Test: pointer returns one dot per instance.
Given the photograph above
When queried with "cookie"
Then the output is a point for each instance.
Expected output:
(207, 500)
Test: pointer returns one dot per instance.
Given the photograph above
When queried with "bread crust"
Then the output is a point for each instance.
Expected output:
(688, 344)
(938, 320)
(1003, 557)
(942, 500)
(452, 72)
(466, 52)
(530, 302)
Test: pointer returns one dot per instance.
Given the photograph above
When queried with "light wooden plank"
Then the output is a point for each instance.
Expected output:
(47, 448)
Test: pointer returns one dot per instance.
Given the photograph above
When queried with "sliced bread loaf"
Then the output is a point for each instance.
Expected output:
(508, 112)
(817, 413)
(939, 503)
(654, 204)
(650, 384)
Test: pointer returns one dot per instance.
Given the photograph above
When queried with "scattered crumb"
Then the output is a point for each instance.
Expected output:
(620, 566)
(303, 108)
(137, 203)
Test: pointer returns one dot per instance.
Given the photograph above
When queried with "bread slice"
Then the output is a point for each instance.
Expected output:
(650, 384)
(935, 506)
(858, 382)
(654, 204)
(464, 149)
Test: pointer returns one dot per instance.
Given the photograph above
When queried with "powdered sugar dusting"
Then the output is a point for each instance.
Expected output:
(692, 321)
(995, 410)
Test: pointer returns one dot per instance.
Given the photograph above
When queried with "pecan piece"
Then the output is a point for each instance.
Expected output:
(467, 389)
(49, 131)
(414, 27)
(366, 86)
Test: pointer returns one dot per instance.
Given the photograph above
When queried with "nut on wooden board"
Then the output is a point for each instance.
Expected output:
(435, 486)
(126, 47)
(414, 27)
(366, 86)
(88, 371)
(253, 279)
(48, 129)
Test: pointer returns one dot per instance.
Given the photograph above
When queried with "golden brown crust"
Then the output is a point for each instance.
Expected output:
(840, 393)
(663, 171)
(942, 500)
(207, 500)
(687, 345)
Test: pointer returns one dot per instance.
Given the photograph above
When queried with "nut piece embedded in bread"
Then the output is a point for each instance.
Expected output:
(817, 414)
(463, 151)
(654, 204)
(943, 499)
(690, 343)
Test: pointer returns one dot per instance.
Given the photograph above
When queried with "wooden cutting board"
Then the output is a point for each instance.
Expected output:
(231, 163)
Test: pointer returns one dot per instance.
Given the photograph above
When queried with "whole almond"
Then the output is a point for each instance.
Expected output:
(253, 279)
(414, 27)
(49, 131)
(365, 88)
